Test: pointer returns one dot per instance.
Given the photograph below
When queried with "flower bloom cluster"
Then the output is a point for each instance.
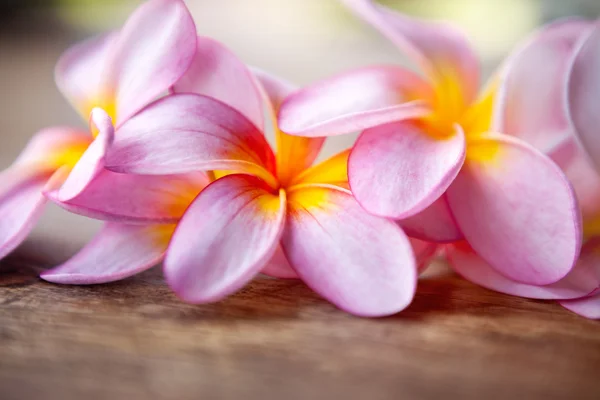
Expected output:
(503, 182)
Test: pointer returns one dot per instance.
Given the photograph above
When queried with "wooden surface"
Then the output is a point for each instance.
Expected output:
(277, 340)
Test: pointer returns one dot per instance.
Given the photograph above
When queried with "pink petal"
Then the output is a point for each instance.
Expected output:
(80, 72)
(530, 100)
(435, 223)
(279, 266)
(47, 149)
(397, 170)
(187, 132)
(226, 237)
(517, 210)
(21, 205)
(135, 198)
(583, 90)
(361, 263)
(92, 161)
(118, 251)
(354, 101)
(424, 252)
(581, 281)
(588, 307)
(217, 72)
(442, 51)
(295, 154)
(153, 50)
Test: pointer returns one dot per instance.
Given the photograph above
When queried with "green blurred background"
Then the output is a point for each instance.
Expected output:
(302, 40)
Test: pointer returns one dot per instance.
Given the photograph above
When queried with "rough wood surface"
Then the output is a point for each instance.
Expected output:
(277, 340)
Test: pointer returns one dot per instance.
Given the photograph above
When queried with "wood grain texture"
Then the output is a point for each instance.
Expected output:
(277, 340)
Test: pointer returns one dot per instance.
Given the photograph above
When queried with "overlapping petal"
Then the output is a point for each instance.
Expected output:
(217, 72)
(279, 266)
(185, 133)
(354, 101)
(581, 281)
(135, 198)
(588, 307)
(531, 102)
(361, 263)
(227, 236)
(517, 210)
(436, 223)
(439, 49)
(333, 171)
(583, 90)
(397, 170)
(117, 252)
(153, 50)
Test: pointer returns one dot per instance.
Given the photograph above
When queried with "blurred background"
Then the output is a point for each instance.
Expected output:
(302, 40)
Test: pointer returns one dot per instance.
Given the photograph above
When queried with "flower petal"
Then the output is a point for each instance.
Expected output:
(92, 160)
(21, 205)
(424, 252)
(517, 210)
(279, 266)
(442, 51)
(217, 72)
(227, 236)
(116, 252)
(583, 88)
(588, 307)
(354, 101)
(333, 171)
(530, 102)
(187, 132)
(361, 263)
(80, 72)
(436, 223)
(397, 170)
(135, 198)
(153, 50)
(294, 153)
(581, 281)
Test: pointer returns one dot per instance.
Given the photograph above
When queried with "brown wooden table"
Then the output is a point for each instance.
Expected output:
(277, 340)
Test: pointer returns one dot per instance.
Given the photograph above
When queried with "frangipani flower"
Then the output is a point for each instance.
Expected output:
(430, 145)
(118, 74)
(534, 111)
(261, 202)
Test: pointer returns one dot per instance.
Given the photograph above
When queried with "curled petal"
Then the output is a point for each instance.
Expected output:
(361, 263)
(226, 237)
(583, 88)
(436, 223)
(581, 281)
(354, 101)
(439, 49)
(397, 170)
(153, 50)
(217, 72)
(21, 205)
(517, 210)
(588, 307)
(118, 251)
(187, 132)
(92, 160)
(530, 103)
(80, 72)
(135, 198)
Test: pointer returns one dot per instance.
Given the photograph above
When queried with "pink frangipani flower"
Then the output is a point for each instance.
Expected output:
(532, 85)
(263, 205)
(107, 79)
(430, 145)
